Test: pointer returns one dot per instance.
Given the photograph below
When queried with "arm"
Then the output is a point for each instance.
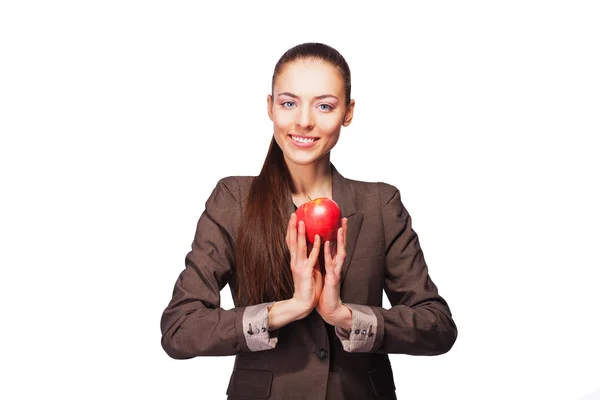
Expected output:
(193, 323)
(419, 321)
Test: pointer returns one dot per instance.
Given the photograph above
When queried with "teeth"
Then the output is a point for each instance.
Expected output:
(303, 140)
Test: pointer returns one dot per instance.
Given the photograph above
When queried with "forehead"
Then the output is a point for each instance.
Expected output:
(309, 77)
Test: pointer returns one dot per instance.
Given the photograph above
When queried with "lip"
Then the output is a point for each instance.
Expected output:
(304, 145)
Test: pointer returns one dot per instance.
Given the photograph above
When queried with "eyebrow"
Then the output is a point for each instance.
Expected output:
(323, 96)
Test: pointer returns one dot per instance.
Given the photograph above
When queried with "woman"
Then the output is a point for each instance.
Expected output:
(308, 321)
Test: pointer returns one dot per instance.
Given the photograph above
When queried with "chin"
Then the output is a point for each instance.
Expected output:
(303, 159)
(300, 160)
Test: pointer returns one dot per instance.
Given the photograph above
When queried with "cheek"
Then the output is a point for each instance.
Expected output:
(282, 121)
(330, 125)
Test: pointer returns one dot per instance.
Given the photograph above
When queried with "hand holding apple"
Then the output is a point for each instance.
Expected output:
(308, 280)
(330, 305)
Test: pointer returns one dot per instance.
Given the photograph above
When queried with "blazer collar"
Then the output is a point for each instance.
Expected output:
(342, 194)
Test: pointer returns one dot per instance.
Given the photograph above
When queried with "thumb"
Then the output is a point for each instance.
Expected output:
(314, 253)
(318, 279)
(318, 284)
(329, 262)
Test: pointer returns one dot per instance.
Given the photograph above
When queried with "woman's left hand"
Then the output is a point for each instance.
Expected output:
(330, 305)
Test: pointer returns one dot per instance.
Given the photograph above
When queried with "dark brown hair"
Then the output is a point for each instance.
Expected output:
(262, 258)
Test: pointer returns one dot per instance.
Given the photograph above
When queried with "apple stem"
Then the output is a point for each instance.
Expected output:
(308, 197)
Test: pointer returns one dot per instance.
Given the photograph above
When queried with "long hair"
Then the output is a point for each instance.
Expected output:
(262, 258)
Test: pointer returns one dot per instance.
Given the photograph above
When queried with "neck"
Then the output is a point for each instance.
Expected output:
(313, 180)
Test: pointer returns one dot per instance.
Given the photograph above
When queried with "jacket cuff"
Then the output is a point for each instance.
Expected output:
(255, 325)
(361, 338)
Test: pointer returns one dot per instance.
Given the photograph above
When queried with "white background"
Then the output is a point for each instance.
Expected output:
(119, 117)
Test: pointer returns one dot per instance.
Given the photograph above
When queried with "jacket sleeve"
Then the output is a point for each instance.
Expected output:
(419, 321)
(193, 324)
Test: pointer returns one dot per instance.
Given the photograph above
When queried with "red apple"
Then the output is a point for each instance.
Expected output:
(321, 216)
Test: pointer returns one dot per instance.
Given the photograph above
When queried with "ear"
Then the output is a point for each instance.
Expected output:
(270, 106)
(349, 114)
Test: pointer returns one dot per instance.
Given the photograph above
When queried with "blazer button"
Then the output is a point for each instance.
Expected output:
(322, 354)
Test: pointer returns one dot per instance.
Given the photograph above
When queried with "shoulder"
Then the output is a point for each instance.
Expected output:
(225, 202)
(236, 186)
(370, 189)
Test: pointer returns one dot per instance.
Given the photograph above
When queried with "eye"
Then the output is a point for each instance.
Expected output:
(288, 104)
(327, 107)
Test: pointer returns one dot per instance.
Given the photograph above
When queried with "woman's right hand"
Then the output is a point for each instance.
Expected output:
(308, 280)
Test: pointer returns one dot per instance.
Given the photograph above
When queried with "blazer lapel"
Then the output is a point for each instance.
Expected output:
(343, 195)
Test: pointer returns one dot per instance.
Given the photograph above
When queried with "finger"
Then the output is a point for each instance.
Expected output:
(292, 227)
(301, 239)
(287, 233)
(340, 252)
(329, 262)
(318, 280)
(342, 233)
(341, 244)
(314, 254)
(291, 239)
(327, 253)
(334, 247)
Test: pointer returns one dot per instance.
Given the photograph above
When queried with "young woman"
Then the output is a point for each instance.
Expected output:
(308, 321)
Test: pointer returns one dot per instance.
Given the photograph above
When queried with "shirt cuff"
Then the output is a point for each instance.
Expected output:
(361, 338)
(256, 327)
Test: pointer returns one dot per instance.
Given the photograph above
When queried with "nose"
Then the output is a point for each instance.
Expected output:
(305, 118)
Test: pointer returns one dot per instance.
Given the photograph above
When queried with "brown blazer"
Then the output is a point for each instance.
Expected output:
(308, 360)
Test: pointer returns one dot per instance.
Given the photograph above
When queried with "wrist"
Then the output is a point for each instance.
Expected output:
(342, 318)
(299, 308)
(283, 312)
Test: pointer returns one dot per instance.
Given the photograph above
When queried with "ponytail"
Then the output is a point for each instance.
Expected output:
(262, 257)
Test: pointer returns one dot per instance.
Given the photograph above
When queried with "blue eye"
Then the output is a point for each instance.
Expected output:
(328, 107)
(291, 104)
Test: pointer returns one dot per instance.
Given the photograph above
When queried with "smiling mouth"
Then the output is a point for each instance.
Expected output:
(301, 139)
